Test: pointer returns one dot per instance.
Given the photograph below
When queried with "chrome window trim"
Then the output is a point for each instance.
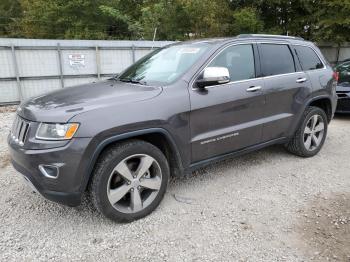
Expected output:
(257, 78)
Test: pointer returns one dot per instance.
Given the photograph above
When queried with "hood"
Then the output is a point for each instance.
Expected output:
(62, 105)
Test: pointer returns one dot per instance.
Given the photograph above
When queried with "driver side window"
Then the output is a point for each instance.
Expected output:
(239, 60)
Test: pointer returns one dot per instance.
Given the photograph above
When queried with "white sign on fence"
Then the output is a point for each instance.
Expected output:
(76, 60)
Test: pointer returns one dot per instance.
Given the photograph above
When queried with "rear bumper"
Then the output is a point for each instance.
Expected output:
(66, 188)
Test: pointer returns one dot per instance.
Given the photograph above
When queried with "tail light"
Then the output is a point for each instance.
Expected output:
(336, 76)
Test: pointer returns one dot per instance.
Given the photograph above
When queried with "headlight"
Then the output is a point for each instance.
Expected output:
(56, 131)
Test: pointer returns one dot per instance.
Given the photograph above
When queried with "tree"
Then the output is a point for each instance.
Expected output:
(325, 20)
(246, 20)
(10, 10)
(80, 19)
(333, 21)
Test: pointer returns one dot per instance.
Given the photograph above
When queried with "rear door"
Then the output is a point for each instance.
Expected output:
(227, 117)
(285, 87)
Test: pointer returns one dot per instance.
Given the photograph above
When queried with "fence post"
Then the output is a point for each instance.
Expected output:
(133, 53)
(98, 63)
(338, 54)
(59, 52)
(18, 81)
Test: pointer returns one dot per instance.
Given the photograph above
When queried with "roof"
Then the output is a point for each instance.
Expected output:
(245, 36)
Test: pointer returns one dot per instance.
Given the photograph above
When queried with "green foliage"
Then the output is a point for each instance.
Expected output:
(9, 11)
(334, 21)
(323, 20)
(246, 20)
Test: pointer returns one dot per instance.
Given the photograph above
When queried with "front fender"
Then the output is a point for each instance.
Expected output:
(96, 147)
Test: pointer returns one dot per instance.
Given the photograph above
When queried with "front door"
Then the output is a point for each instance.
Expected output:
(227, 117)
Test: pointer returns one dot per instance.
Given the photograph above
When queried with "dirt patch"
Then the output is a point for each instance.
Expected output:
(8, 109)
(5, 160)
(325, 228)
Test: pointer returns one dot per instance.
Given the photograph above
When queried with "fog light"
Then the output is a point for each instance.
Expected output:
(49, 171)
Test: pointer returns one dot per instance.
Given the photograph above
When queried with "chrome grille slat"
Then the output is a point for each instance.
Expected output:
(20, 126)
(20, 130)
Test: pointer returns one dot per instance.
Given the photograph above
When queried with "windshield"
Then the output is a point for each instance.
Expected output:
(165, 65)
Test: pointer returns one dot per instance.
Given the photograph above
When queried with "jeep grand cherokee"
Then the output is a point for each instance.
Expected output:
(179, 108)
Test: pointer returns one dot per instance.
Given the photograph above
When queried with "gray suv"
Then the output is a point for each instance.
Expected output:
(177, 109)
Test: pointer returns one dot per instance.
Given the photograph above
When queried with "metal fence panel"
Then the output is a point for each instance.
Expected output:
(7, 68)
(329, 53)
(30, 67)
(78, 81)
(140, 53)
(8, 92)
(344, 53)
(37, 63)
(32, 88)
(114, 61)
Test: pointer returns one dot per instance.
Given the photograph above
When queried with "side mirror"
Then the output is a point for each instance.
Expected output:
(213, 76)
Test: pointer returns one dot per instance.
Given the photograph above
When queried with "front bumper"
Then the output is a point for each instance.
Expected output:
(66, 188)
(343, 93)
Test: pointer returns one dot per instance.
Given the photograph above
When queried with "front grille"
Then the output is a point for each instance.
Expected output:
(19, 130)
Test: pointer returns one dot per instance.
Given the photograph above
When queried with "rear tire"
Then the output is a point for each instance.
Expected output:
(129, 180)
(311, 134)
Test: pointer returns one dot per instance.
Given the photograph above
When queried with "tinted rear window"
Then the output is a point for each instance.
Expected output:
(308, 58)
(276, 59)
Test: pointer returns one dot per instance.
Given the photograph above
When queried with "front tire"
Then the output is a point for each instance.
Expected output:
(311, 134)
(129, 180)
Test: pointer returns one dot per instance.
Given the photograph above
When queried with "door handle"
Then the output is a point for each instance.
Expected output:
(301, 80)
(253, 88)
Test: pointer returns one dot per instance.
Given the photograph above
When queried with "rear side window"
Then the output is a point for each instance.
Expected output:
(239, 60)
(308, 58)
(276, 59)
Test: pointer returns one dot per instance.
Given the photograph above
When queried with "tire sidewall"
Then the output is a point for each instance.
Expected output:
(102, 200)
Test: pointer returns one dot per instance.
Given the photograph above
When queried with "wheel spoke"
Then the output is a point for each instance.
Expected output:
(145, 164)
(123, 170)
(136, 202)
(319, 127)
(314, 122)
(116, 194)
(151, 183)
(315, 140)
(307, 130)
(307, 143)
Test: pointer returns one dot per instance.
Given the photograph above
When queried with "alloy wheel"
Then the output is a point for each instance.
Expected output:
(134, 183)
(314, 132)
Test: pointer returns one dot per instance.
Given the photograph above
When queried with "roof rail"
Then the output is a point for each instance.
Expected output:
(269, 36)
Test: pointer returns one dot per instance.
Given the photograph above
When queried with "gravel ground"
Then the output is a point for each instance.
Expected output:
(265, 206)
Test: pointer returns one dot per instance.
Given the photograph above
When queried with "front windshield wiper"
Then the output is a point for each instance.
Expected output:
(133, 80)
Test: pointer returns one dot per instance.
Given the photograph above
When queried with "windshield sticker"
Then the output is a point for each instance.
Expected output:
(188, 50)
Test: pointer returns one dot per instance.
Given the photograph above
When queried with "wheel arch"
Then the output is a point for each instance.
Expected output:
(159, 137)
(324, 103)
